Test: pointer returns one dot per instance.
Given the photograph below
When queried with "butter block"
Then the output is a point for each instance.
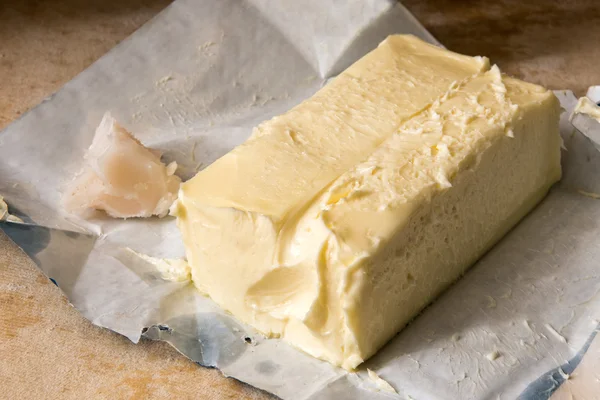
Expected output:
(334, 224)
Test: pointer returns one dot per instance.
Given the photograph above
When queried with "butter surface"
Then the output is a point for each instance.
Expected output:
(337, 222)
(5, 215)
(588, 107)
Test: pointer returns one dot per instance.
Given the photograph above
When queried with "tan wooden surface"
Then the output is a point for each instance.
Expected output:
(47, 350)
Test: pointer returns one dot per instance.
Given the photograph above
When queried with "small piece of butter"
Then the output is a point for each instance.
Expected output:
(122, 177)
(5, 215)
(380, 383)
(588, 107)
(170, 269)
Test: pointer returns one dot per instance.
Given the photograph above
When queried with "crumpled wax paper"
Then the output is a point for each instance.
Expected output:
(192, 83)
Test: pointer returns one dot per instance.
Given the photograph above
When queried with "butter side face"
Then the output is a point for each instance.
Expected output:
(480, 179)
(387, 199)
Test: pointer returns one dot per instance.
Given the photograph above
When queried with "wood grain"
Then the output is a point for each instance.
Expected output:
(552, 43)
(47, 350)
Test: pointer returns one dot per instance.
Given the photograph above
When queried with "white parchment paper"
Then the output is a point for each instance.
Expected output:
(192, 83)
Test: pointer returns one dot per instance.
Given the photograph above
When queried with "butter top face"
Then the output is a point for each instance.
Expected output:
(337, 222)
(372, 199)
(291, 157)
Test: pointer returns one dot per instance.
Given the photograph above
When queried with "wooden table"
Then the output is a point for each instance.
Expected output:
(47, 350)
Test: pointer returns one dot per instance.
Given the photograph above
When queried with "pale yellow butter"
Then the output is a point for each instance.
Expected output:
(337, 222)
(5, 215)
(588, 107)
